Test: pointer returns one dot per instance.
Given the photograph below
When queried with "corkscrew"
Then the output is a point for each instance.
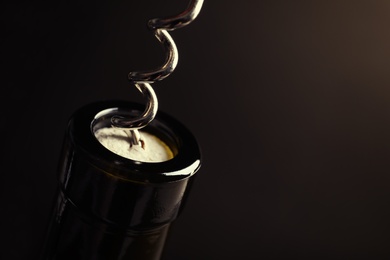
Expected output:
(143, 79)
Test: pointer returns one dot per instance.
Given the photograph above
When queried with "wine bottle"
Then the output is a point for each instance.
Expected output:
(111, 207)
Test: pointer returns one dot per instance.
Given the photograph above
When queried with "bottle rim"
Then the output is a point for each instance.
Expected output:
(185, 162)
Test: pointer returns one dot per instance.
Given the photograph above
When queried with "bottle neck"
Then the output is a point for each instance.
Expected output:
(73, 235)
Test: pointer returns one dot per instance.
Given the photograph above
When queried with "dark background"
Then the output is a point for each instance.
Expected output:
(289, 101)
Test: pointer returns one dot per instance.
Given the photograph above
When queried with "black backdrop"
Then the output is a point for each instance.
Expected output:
(288, 99)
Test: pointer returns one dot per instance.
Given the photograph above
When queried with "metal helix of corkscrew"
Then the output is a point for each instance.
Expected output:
(143, 79)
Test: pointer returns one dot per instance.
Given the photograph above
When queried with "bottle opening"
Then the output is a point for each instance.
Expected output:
(152, 148)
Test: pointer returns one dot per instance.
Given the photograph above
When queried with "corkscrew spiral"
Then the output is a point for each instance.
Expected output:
(143, 79)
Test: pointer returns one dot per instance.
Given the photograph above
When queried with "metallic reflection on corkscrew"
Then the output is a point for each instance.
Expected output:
(144, 79)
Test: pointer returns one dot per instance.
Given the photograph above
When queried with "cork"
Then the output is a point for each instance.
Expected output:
(117, 141)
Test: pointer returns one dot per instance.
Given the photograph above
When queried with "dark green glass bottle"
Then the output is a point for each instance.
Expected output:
(111, 207)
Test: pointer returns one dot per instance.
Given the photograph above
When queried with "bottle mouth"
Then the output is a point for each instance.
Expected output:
(150, 148)
(185, 153)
